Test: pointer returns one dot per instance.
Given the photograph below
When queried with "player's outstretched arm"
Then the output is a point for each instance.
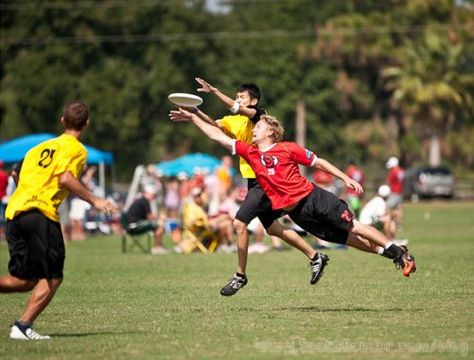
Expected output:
(68, 181)
(226, 100)
(205, 117)
(330, 168)
(213, 132)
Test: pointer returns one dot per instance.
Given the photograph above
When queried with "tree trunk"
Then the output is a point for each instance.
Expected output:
(301, 128)
(435, 151)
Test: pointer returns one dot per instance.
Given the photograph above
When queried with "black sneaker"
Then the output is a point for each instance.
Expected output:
(234, 285)
(317, 267)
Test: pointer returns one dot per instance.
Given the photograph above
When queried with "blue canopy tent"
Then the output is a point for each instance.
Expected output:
(15, 150)
(188, 163)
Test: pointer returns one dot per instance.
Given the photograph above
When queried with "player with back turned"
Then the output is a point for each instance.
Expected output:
(49, 172)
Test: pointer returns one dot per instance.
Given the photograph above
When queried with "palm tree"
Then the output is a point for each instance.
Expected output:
(431, 85)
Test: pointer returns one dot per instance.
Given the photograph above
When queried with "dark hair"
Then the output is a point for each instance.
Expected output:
(76, 115)
(252, 89)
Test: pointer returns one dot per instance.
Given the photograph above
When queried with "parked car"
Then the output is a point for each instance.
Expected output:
(428, 182)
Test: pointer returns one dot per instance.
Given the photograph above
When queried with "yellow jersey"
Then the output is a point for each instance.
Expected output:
(38, 186)
(239, 127)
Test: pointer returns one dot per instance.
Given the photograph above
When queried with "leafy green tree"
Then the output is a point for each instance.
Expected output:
(431, 86)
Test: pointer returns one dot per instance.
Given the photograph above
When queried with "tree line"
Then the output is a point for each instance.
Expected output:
(375, 78)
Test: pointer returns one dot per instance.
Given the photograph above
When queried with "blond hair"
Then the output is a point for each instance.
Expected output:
(275, 125)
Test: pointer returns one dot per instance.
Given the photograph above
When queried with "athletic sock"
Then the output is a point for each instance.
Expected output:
(22, 325)
(392, 251)
(240, 275)
(315, 257)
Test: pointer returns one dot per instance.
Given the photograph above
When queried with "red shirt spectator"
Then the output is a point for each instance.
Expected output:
(355, 174)
(3, 181)
(395, 176)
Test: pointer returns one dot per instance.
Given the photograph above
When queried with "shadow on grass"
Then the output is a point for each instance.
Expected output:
(344, 309)
(96, 333)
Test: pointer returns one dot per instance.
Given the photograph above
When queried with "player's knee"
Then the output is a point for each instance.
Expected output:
(359, 229)
(239, 226)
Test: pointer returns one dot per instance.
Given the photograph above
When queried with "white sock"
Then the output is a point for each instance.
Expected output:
(390, 243)
(380, 250)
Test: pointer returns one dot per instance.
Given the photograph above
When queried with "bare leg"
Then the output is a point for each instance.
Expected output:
(360, 243)
(276, 242)
(370, 233)
(390, 228)
(158, 235)
(11, 284)
(292, 238)
(39, 299)
(242, 245)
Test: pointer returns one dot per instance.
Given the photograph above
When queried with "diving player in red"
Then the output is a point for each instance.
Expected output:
(317, 211)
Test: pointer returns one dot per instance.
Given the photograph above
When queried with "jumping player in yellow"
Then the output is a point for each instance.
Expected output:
(48, 173)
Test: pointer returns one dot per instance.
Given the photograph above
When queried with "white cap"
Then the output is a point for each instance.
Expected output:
(196, 191)
(150, 188)
(384, 191)
(182, 175)
(391, 162)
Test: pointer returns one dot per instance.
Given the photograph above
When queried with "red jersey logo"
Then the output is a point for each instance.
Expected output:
(347, 216)
(268, 161)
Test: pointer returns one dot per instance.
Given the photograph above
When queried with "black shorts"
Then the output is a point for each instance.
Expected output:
(324, 215)
(257, 204)
(36, 247)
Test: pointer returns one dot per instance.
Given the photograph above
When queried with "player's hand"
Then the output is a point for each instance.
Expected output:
(205, 86)
(180, 115)
(106, 206)
(354, 185)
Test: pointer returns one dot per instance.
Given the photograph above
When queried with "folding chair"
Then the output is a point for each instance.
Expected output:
(205, 240)
(140, 239)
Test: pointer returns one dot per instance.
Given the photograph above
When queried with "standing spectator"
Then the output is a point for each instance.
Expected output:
(324, 180)
(79, 207)
(172, 201)
(395, 178)
(3, 180)
(354, 199)
(224, 174)
(49, 172)
(3, 192)
(139, 219)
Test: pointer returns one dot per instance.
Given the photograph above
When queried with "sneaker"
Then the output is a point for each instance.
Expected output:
(159, 250)
(317, 267)
(258, 248)
(22, 332)
(406, 262)
(178, 249)
(235, 284)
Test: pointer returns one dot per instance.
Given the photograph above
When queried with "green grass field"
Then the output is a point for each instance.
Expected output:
(136, 306)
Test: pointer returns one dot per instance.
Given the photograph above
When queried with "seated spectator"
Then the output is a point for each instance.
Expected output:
(139, 219)
(195, 219)
(377, 213)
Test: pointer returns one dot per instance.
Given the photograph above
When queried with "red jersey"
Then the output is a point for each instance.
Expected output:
(277, 172)
(355, 174)
(3, 183)
(395, 179)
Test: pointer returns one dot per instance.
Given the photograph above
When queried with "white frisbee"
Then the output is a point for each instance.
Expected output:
(185, 99)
